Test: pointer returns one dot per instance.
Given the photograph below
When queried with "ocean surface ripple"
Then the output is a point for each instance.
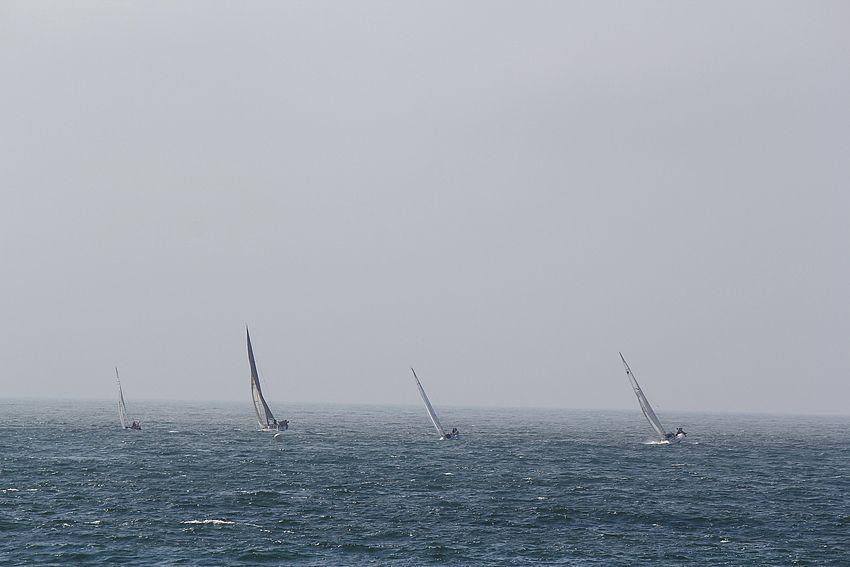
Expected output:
(354, 485)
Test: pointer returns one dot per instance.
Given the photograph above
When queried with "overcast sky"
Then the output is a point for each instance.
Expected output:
(502, 195)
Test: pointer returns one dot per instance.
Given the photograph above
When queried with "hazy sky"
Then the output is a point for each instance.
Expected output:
(502, 195)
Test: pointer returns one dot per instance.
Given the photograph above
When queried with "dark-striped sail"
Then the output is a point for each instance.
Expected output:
(265, 417)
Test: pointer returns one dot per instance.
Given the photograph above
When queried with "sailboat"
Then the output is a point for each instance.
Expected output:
(122, 409)
(443, 435)
(649, 413)
(264, 415)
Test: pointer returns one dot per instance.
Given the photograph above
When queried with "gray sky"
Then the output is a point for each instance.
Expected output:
(502, 195)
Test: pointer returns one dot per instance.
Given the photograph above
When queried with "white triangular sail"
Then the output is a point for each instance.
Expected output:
(430, 409)
(122, 409)
(261, 408)
(644, 403)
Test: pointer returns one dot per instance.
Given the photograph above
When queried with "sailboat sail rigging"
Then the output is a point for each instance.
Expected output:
(265, 417)
(647, 409)
(434, 419)
(122, 408)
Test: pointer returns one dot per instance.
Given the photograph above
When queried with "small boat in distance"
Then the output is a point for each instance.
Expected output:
(647, 410)
(265, 417)
(122, 409)
(455, 434)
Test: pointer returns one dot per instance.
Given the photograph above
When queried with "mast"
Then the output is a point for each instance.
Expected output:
(261, 408)
(644, 403)
(430, 409)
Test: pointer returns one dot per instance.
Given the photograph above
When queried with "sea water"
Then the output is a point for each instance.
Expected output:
(356, 485)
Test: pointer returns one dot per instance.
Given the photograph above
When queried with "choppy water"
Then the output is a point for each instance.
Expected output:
(354, 485)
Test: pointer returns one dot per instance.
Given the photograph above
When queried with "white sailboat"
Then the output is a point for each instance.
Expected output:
(649, 413)
(443, 435)
(122, 408)
(265, 417)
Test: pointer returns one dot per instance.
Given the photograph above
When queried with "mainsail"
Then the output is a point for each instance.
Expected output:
(122, 409)
(264, 414)
(644, 403)
(430, 409)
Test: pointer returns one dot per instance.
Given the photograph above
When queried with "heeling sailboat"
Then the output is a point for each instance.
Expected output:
(122, 408)
(265, 417)
(434, 419)
(649, 413)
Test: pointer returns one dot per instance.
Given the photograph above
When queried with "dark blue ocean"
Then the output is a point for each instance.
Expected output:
(355, 485)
